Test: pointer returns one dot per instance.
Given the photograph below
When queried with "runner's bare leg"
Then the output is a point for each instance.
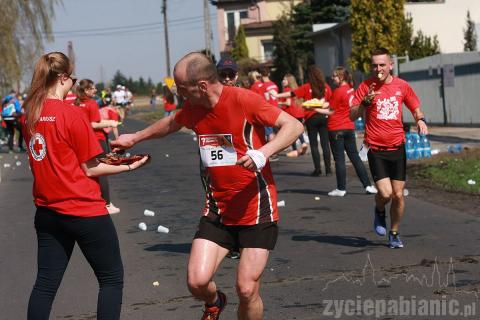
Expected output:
(205, 257)
(398, 204)
(384, 195)
(250, 269)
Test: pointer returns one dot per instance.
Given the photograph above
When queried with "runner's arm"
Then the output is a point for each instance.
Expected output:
(289, 130)
(158, 129)
(420, 119)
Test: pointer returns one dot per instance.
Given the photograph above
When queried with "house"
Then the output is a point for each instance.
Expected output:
(257, 17)
(444, 18)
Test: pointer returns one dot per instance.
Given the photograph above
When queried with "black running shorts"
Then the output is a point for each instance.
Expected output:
(262, 235)
(388, 164)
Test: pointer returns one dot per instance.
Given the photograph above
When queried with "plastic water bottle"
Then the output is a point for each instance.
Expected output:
(359, 124)
(409, 148)
(416, 146)
(427, 151)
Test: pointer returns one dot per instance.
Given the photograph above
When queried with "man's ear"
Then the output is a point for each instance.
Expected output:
(202, 85)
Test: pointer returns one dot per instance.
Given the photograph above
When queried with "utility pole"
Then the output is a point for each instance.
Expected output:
(208, 29)
(167, 48)
(71, 56)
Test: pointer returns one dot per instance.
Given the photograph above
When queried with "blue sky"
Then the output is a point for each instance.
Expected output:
(127, 35)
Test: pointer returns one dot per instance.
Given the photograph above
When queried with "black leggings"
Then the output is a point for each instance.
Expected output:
(103, 180)
(317, 125)
(97, 238)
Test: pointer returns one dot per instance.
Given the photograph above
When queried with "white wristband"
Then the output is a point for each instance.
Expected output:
(258, 158)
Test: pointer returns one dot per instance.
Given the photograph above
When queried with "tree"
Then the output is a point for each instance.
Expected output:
(284, 52)
(23, 27)
(470, 35)
(423, 46)
(208, 53)
(374, 24)
(119, 78)
(240, 49)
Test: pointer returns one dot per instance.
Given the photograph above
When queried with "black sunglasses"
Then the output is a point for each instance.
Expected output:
(230, 75)
(74, 80)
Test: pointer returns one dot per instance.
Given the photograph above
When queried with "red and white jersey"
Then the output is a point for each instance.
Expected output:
(305, 92)
(340, 104)
(91, 111)
(62, 141)
(258, 88)
(383, 120)
(293, 109)
(225, 133)
(70, 98)
(270, 87)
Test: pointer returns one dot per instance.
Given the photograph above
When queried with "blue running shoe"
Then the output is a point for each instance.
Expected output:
(379, 223)
(394, 240)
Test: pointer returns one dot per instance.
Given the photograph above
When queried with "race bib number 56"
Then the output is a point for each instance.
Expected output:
(216, 150)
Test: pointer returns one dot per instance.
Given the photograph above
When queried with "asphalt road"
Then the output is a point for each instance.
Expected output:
(328, 261)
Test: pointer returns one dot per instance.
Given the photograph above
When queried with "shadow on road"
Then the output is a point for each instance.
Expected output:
(450, 139)
(171, 247)
(356, 242)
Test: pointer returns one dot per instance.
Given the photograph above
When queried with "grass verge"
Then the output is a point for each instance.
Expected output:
(450, 172)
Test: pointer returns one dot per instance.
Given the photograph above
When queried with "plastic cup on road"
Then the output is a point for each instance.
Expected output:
(281, 203)
(148, 213)
(142, 226)
(162, 229)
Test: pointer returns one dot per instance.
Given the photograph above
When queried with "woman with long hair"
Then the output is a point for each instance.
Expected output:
(316, 118)
(292, 107)
(86, 92)
(62, 150)
(341, 132)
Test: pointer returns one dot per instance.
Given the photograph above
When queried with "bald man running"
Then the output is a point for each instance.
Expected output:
(241, 205)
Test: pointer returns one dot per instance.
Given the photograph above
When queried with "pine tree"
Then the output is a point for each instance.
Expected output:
(285, 57)
(240, 49)
(374, 24)
(423, 46)
(470, 35)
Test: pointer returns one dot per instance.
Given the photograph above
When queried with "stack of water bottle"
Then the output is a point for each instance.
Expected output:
(359, 124)
(417, 146)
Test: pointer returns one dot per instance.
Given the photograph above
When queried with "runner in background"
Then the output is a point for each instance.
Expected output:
(227, 71)
(293, 107)
(119, 101)
(381, 98)
(168, 98)
(86, 91)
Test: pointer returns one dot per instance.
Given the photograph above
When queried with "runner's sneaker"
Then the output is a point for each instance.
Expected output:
(371, 189)
(213, 312)
(303, 148)
(233, 255)
(337, 193)
(112, 209)
(379, 223)
(394, 241)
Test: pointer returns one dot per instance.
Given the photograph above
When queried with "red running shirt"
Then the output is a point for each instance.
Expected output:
(383, 123)
(305, 92)
(225, 133)
(293, 109)
(340, 103)
(268, 87)
(92, 112)
(63, 139)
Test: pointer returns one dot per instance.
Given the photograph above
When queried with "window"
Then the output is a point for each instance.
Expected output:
(267, 49)
(232, 22)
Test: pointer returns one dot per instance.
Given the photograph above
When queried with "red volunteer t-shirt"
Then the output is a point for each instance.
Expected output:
(257, 87)
(225, 133)
(268, 87)
(92, 111)
(340, 103)
(383, 123)
(305, 92)
(70, 98)
(293, 109)
(63, 139)
(109, 113)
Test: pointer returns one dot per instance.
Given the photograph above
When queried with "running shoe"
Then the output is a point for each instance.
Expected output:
(371, 190)
(337, 193)
(112, 209)
(233, 255)
(379, 223)
(213, 312)
(394, 240)
(316, 173)
(303, 148)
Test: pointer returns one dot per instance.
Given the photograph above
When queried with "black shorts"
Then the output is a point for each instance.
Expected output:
(262, 235)
(388, 164)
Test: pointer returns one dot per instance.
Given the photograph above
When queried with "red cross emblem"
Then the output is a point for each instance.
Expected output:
(38, 147)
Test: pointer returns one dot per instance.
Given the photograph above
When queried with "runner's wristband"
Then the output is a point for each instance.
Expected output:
(422, 119)
(258, 158)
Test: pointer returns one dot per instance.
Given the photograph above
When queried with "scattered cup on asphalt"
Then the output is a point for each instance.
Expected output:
(281, 203)
(148, 213)
(162, 229)
(142, 226)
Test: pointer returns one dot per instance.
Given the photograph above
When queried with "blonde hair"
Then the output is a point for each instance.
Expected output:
(45, 76)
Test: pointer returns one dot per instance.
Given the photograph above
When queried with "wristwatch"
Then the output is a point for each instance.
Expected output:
(422, 119)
